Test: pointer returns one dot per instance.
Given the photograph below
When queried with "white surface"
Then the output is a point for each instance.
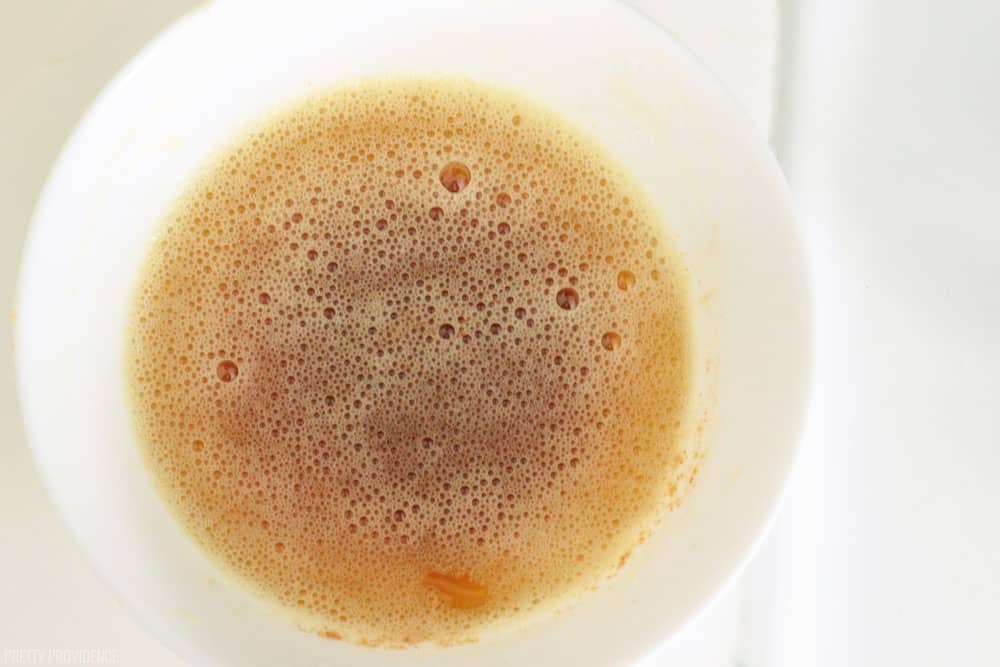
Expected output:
(23, 502)
(892, 142)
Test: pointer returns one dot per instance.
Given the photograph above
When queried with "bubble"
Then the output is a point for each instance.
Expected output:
(328, 313)
(626, 280)
(436, 213)
(455, 176)
(495, 329)
(611, 341)
(519, 313)
(264, 298)
(446, 331)
(503, 228)
(503, 200)
(227, 371)
(567, 298)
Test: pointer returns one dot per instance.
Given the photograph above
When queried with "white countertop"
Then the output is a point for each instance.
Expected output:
(887, 551)
(892, 146)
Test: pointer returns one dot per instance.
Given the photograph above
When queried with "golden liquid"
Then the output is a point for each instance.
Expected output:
(412, 360)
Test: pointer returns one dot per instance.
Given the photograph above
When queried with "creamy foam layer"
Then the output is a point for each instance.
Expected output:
(412, 360)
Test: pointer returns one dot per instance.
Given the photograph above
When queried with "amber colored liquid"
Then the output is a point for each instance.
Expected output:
(411, 360)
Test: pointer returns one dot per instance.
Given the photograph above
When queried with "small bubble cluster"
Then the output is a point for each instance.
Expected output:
(412, 361)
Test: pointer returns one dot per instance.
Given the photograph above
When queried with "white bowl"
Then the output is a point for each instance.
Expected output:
(598, 63)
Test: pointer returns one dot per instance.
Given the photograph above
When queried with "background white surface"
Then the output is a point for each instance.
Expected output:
(887, 551)
(890, 135)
